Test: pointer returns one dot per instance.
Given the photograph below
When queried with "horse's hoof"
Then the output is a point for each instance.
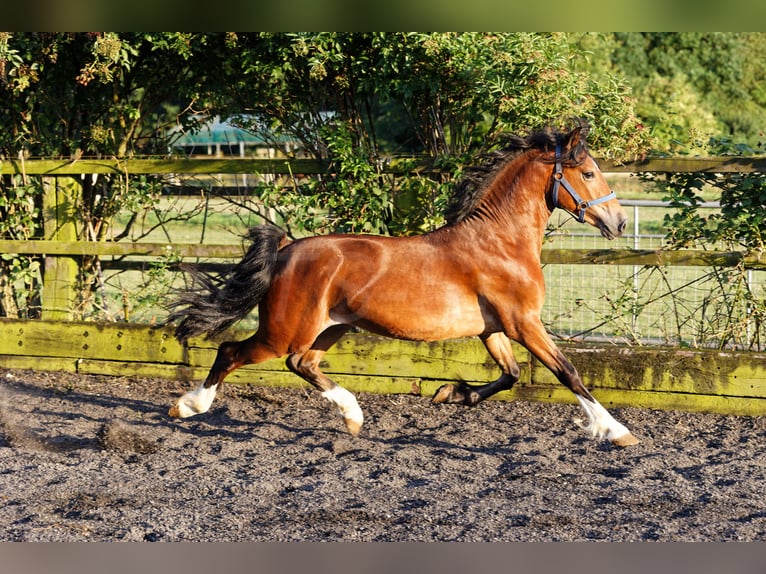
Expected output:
(353, 426)
(625, 440)
(445, 394)
(181, 410)
(460, 394)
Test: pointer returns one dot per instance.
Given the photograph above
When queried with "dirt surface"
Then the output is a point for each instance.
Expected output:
(96, 458)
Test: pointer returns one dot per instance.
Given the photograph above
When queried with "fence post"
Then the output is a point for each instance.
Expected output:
(60, 224)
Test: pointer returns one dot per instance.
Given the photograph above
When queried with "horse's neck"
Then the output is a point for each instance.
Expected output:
(515, 208)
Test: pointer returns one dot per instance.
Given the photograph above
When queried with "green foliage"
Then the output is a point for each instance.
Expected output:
(19, 275)
(421, 200)
(451, 93)
(142, 303)
(102, 93)
(732, 313)
(98, 94)
(691, 86)
(18, 209)
(351, 97)
(358, 197)
(740, 223)
(19, 286)
(358, 98)
(101, 201)
(689, 90)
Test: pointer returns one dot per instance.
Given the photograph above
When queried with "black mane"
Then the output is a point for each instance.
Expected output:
(477, 179)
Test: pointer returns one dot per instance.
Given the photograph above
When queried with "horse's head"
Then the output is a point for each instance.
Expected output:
(579, 187)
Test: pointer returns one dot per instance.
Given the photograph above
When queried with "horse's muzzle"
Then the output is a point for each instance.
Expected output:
(612, 229)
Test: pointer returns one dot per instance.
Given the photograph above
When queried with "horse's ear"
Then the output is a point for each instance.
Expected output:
(573, 139)
(577, 135)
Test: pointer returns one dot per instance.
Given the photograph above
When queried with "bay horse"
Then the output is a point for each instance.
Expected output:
(478, 275)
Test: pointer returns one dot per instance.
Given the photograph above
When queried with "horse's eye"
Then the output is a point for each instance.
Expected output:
(587, 174)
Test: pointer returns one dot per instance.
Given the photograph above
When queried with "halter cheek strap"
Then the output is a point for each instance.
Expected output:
(560, 181)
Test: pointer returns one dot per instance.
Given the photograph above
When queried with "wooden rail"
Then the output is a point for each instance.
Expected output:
(400, 165)
(709, 381)
(626, 256)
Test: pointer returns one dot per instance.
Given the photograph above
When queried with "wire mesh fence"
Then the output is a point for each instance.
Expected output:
(674, 305)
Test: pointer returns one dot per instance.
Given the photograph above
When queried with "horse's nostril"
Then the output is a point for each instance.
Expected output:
(621, 227)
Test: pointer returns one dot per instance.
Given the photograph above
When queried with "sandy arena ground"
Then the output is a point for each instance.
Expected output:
(89, 458)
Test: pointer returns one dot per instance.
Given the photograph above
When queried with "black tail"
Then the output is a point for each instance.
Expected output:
(215, 303)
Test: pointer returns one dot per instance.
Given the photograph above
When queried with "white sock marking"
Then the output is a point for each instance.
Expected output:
(600, 423)
(196, 401)
(347, 405)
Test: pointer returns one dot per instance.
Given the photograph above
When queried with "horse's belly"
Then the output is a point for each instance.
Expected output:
(417, 318)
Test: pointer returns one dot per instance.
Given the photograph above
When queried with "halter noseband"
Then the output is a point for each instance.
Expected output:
(581, 205)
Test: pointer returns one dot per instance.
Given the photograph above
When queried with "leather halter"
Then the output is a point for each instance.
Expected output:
(560, 181)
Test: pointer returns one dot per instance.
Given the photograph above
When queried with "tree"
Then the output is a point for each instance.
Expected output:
(357, 98)
(97, 94)
(352, 98)
(694, 86)
(102, 93)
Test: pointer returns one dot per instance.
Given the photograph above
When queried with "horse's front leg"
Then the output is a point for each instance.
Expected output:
(499, 346)
(600, 424)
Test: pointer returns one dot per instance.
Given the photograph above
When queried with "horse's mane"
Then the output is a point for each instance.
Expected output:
(477, 179)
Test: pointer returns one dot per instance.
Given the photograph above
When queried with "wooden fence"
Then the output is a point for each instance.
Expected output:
(648, 377)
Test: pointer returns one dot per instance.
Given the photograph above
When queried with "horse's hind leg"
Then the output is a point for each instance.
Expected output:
(499, 346)
(306, 366)
(230, 356)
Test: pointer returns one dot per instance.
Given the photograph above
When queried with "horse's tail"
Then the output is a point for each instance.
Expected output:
(215, 303)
